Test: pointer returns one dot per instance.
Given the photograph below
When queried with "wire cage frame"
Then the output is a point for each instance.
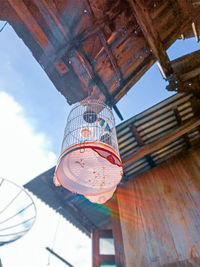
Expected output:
(89, 162)
(90, 122)
(17, 212)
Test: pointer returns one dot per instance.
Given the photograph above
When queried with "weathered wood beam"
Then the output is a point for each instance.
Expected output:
(144, 20)
(152, 147)
(23, 12)
(189, 14)
(105, 44)
(141, 143)
(195, 31)
(117, 231)
(180, 122)
(188, 87)
(186, 7)
(188, 70)
(190, 75)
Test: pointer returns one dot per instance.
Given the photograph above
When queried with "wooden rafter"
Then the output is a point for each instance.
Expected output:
(151, 35)
(105, 44)
(93, 35)
(141, 143)
(180, 122)
(188, 12)
(186, 7)
(30, 22)
(188, 70)
(152, 147)
(195, 31)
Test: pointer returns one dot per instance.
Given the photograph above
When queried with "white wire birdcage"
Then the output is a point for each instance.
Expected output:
(89, 163)
(17, 212)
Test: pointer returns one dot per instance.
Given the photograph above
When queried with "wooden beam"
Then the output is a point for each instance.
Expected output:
(112, 58)
(180, 122)
(161, 70)
(30, 22)
(141, 143)
(188, 70)
(188, 14)
(105, 44)
(195, 32)
(184, 64)
(117, 232)
(190, 86)
(152, 147)
(186, 7)
(151, 35)
(189, 75)
(95, 248)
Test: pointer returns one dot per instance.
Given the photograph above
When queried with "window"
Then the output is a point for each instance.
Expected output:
(106, 246)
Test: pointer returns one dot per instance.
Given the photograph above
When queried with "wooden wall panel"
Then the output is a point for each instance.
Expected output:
(117, 233)
(160, 214)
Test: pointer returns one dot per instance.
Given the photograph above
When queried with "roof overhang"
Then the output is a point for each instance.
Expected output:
(99, 49)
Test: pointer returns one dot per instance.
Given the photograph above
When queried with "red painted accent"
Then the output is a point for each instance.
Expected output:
(111, 159)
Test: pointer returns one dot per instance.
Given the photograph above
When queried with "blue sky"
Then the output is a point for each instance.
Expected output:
(24, 79)
(32, 120)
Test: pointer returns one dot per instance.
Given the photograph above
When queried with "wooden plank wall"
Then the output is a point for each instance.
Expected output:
(160, 214)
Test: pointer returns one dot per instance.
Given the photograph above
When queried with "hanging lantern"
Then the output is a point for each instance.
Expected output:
(89, 163)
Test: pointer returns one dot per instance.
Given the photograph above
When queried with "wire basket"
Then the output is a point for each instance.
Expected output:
(90, 122)
(17, 212)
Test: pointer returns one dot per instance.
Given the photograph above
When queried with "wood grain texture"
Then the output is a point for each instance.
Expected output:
(160, 214)
(104, 46)
(117, 233)
(161, 142)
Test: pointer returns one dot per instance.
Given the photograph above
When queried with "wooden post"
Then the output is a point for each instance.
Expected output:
(98, 258)
(117, 234)
(95, 248)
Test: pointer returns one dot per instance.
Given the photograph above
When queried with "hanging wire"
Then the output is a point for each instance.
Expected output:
(54, 239)
(3, 26)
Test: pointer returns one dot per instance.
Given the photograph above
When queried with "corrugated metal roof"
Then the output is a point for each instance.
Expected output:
(85, 215)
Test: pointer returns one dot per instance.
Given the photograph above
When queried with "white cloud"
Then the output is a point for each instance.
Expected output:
(23, 153)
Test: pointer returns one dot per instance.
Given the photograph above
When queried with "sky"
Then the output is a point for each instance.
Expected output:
(32, 121)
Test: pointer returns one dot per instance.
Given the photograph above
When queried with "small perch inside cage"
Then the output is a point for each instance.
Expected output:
(89, 163)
